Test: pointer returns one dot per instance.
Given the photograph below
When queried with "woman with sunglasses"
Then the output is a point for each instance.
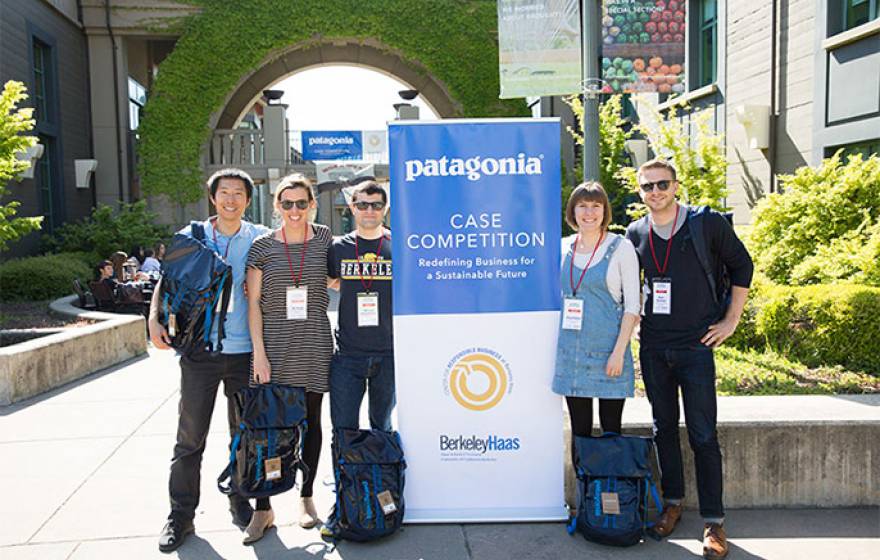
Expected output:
(287, 297)
(601, 304)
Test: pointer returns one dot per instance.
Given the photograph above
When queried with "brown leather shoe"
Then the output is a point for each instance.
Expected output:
(668, 520)
(714, 542)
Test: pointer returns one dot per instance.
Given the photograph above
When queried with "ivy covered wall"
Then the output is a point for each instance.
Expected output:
(455, 40)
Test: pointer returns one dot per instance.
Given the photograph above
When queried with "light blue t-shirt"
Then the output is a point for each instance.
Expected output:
(237, 339)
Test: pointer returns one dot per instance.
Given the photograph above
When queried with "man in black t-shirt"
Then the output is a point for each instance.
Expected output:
(683, 320)
(364, 356)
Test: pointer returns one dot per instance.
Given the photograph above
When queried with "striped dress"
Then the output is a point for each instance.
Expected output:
(298, 351)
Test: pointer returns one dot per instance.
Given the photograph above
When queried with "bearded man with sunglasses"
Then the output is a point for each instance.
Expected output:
(684, 318)
(364, 358)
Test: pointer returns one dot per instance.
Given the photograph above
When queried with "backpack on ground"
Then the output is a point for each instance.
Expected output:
(266, 451)
(195, 291)
(368, 467)
(614, 484)
(719, 286)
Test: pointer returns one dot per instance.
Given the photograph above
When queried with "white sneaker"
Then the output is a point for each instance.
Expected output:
(260, 523)
(308, 514)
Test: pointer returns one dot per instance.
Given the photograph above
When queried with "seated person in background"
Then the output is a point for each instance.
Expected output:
(150, 264)
(105, 274)
(118, 261)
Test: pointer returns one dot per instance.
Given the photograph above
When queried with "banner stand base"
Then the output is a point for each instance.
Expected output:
(486, 515)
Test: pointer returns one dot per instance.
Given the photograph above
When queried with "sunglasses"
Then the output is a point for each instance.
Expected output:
(377, 205)
(662, 186)
(302, 204)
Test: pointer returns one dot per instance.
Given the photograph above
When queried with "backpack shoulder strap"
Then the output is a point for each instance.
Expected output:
(198, 230)
(696, 221)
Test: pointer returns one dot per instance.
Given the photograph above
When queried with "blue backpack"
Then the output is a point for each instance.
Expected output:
(614, 483)
(266, 451)
(368, 467)
(195, 291)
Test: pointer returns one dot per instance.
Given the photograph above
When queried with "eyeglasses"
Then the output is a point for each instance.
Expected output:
(377, 205)
(302, 204)
(662, 186)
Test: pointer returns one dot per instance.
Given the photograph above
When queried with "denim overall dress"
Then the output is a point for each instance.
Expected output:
(581, 356)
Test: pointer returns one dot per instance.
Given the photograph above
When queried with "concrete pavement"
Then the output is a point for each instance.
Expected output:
(84, 474)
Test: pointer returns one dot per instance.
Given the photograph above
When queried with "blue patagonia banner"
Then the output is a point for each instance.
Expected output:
(476, 242)
(332, 144)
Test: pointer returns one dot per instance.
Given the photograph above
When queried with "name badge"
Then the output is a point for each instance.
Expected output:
(368, 309)
(662, 296)
(297, 299)
(572, 314)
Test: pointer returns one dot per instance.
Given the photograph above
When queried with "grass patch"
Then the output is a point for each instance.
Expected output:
(750, 372)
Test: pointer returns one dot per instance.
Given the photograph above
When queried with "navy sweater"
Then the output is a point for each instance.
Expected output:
(693, 307)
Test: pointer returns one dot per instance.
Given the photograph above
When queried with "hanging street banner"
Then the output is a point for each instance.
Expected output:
(476, 245)
(332, 144)
(643, 46)
(539, 47)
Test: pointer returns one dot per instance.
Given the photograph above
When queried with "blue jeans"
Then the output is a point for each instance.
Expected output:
(349, 378)
(664, 371)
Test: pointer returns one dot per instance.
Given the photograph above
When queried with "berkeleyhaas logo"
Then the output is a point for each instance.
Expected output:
(473, 168)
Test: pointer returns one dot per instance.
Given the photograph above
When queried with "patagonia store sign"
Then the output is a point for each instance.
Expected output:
(476, 306)
(332, 144)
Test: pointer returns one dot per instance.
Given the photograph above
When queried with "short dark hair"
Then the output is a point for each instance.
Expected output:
(369, 187)
(294, 181)
(658, 163)
(594, 192)
(231, 173)
(148, 253)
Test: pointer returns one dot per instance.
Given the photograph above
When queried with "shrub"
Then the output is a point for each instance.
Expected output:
(823, 226)
(106, 231)
(14, 123)
(822, 325)
(43, 277)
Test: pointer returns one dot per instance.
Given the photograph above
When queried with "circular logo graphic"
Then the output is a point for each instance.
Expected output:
(478, 381)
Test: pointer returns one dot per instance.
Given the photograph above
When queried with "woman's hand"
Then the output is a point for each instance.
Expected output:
(614, 367)
(262, 369)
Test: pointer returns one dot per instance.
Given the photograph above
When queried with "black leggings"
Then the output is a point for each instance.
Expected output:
(580, 410)
(311, 448)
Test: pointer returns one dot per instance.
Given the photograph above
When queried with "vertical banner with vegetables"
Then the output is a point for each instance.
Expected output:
(539, 47)
(643, 46)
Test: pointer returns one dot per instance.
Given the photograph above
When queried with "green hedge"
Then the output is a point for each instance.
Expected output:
(44, 277)
(828, 324)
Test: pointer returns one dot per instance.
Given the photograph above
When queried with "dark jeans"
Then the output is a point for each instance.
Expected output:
(664, 371)
(199, 379)
(349, 378)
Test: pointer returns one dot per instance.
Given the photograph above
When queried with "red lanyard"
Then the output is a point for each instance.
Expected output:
(302, 259)
(574, 289)
(668, 245)
(357, 257)
(214, 233)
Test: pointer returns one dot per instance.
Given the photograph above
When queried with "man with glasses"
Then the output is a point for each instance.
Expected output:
(364, 358)
(230, 191)
(686, 313)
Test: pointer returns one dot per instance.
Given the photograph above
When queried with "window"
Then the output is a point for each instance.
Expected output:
(857, 12)
(707, 43)
(137, 98)
(47, 183)
(42, 81)
(868, 148)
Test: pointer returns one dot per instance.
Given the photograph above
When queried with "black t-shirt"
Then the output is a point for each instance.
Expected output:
(693, 306)
(355, 268)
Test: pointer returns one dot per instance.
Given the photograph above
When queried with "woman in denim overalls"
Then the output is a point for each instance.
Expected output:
(601, 304)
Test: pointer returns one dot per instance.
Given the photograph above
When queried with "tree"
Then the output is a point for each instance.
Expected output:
(13, 123)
